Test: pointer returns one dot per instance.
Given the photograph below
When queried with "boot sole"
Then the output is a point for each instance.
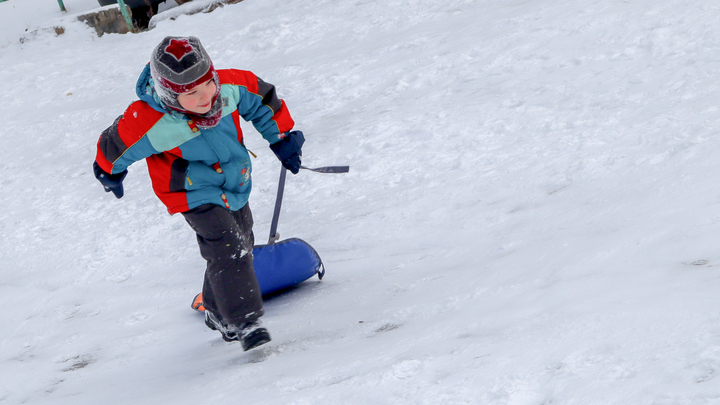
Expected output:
(257, 338)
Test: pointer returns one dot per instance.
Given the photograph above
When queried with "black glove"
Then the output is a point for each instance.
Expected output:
(289, 150)
(111, 182)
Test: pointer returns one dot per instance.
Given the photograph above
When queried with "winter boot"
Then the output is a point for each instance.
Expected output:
(250, 334)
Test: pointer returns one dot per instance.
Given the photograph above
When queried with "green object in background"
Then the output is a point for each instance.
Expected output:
(125, 14)
(60, 2)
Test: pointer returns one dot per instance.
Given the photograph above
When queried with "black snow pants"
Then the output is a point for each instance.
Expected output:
(226, 240)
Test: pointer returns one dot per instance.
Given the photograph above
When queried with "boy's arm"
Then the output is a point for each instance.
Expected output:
(122, 144)
(258, 102)
(125, 141)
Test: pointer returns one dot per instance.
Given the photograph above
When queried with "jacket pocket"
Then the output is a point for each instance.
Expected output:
(199, 175)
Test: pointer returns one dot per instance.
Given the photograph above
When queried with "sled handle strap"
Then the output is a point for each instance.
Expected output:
(274, 236)
(328, 169)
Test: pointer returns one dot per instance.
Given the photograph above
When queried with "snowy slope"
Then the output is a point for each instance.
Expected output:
(532, 214)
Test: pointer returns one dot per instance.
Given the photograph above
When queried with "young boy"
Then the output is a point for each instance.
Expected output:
(187, 125)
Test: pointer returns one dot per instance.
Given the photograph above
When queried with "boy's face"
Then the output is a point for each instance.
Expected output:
(199, 99)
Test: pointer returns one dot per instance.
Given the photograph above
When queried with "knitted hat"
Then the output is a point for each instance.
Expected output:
(177, 65)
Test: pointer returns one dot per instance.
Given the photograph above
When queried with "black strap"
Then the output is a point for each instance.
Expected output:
(328, 169)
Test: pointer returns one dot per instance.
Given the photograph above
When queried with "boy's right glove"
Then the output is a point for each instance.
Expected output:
(289, 150)
(111, 182)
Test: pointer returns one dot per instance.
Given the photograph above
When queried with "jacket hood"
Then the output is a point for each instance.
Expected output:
(145, 91)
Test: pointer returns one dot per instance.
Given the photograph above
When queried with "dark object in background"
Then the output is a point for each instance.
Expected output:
(142, 10)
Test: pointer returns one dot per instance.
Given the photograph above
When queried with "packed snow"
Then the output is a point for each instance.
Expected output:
(532, 213)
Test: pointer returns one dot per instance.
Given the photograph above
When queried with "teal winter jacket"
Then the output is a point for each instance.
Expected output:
(190, 166)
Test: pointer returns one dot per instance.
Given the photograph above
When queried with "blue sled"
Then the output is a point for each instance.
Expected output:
(285, 264)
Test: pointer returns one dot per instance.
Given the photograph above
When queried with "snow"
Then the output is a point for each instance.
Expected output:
(531, 215)
(20, 17)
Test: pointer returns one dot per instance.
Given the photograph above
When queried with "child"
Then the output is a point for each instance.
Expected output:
(187, 125)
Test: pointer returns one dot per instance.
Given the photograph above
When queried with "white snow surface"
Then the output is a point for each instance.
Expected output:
(532, 215)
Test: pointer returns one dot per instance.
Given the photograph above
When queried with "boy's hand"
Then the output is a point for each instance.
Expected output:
(111, 182)
(289, 150)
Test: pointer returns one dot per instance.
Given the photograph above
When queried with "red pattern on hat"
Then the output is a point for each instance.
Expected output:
(179, 48)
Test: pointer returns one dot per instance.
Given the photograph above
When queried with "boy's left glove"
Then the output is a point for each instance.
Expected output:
(111, 182)
(289, 150)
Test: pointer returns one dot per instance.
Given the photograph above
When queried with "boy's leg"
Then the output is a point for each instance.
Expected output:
(230, 290)
(244, 219)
